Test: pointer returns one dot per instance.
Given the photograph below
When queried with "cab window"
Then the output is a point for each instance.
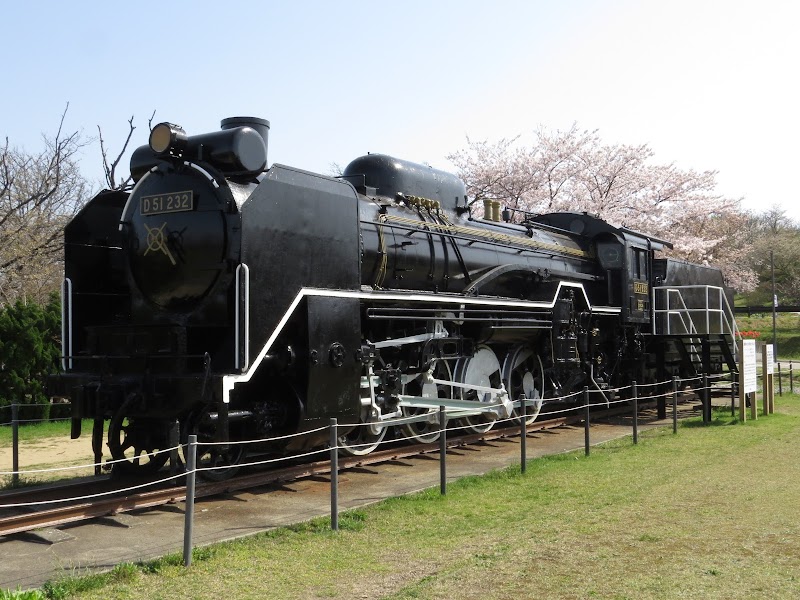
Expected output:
(610, 254)
(638, 263)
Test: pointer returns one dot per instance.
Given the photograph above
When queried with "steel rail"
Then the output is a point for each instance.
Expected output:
(170, 494)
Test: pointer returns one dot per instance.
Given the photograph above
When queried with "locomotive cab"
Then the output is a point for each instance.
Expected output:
(625, 256)
(639, 261)
(627, 259)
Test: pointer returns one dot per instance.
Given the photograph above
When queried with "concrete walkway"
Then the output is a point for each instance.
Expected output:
(103, 543)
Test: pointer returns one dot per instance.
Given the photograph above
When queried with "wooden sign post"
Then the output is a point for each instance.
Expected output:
(747, 378)
(768, 384)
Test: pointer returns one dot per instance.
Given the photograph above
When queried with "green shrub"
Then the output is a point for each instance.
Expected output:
(30, 349)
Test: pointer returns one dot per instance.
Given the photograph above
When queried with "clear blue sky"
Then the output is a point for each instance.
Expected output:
(707, 84)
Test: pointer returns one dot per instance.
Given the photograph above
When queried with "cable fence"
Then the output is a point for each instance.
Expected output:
(787, 376)
(442, 421)
(31, 412)
(607, 397)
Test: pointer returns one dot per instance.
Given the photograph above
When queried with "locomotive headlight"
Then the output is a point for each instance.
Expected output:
(167, 137)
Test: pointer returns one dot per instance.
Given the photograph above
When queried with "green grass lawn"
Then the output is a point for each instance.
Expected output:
(707, 513)
(35, 431)
(787, 330)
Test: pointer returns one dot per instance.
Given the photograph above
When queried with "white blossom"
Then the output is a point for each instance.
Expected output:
(575, 171)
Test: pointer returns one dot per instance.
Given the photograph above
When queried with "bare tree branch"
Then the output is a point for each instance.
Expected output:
(110, 169)
(39, 193)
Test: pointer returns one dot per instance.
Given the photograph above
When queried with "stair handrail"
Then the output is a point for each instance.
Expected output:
(727, 323)
(683, 314)
(735, 334)
(682, 311)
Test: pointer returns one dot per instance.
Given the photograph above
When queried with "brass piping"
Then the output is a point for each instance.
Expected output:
(494, 236)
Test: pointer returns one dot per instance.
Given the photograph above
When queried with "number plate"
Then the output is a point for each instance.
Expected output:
(158, 204)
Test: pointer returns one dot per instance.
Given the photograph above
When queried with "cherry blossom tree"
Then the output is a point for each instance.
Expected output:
(575, 170)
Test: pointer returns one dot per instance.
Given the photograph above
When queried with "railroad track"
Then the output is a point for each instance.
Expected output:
(46, 506)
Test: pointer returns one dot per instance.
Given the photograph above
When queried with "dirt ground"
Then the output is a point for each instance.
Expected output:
(50, 452)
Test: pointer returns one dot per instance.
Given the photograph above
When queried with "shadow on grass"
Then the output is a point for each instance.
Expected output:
(719, 417)
(713, 423)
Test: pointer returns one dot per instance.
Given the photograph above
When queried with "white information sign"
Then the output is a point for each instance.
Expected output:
(770, 360)
(749, 365)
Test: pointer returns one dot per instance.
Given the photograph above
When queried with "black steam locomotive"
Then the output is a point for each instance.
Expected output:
(237, 302)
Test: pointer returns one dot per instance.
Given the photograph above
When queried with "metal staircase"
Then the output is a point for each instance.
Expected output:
(698, 321)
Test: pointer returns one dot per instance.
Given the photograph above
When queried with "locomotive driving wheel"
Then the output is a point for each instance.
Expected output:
(135, 442)
(214, 462)
(426, 432)
(481, 369)
(523, 375)
(363, 438)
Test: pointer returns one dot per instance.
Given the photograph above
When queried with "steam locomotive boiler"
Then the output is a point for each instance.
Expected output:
(237, 302)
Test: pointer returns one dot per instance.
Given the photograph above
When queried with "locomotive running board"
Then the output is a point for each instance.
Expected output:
(229, 381)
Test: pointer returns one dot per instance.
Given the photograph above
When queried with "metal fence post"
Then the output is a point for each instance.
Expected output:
(791, 378)
(334, 443)
(586, 444)
(674, 405)
(188, 527)
(523, 436)
(734, 379)
(15, 444)
(780, 381)
(706, 400)
(442, 451)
